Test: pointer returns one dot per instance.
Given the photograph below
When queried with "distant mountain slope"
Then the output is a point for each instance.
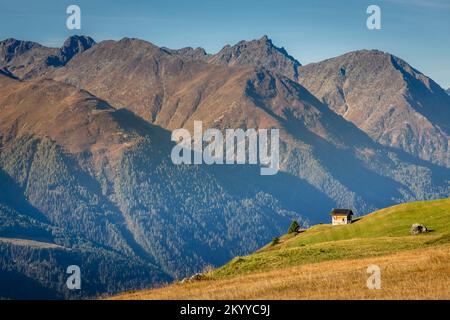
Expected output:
(411, 112)
(86, 145)
(46, 279)
(105, 178)
(385, 97)
(26, 59)
(28, 237)
(380, 93)
(168, 90)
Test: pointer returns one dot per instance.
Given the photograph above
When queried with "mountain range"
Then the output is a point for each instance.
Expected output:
(85, 153)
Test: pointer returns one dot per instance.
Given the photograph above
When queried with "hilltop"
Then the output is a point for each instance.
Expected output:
(330, 261)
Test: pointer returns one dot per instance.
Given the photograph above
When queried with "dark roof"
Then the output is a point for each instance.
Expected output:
(342, 211)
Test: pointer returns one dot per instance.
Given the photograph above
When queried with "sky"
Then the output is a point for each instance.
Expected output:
(417, 31)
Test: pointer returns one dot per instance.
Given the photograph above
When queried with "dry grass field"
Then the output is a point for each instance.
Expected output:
(413, 274)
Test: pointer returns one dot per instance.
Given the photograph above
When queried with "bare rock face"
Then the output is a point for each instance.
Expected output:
(10, 48)
(259, 53)
(27, 60)
(24, 59)
(7, 73)
(382, 95)
(418, 228)
(71, 47)
(188, 53)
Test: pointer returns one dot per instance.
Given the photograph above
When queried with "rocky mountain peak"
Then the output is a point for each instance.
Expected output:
(11, 47)
(77, 44)
(27, 59)
(71, 47)
(260, 53)
(384, 96)
(188, 53)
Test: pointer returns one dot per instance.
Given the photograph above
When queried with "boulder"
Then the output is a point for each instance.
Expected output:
(184, 280)
(196, 277)
(418, 228)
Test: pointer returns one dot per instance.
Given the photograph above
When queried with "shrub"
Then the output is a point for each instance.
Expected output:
(275, 241)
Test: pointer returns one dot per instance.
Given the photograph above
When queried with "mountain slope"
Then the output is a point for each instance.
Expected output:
(86, 145)
(27, 236)
(168, 90)
(258, 53)
(106, 177)
(385, 97)
(26, 59)
(382, 95)
(330, 262)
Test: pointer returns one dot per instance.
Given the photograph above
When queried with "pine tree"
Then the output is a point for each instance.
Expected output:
(293, 227)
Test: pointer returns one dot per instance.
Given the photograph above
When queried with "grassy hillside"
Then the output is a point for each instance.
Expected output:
(379, 233)
(321, 261)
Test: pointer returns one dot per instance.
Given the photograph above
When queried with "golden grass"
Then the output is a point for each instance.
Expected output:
(413, 274)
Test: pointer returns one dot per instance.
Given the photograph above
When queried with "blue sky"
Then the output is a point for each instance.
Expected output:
(416, 30)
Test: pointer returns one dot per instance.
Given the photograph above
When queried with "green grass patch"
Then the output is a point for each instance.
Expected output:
(383, 232)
